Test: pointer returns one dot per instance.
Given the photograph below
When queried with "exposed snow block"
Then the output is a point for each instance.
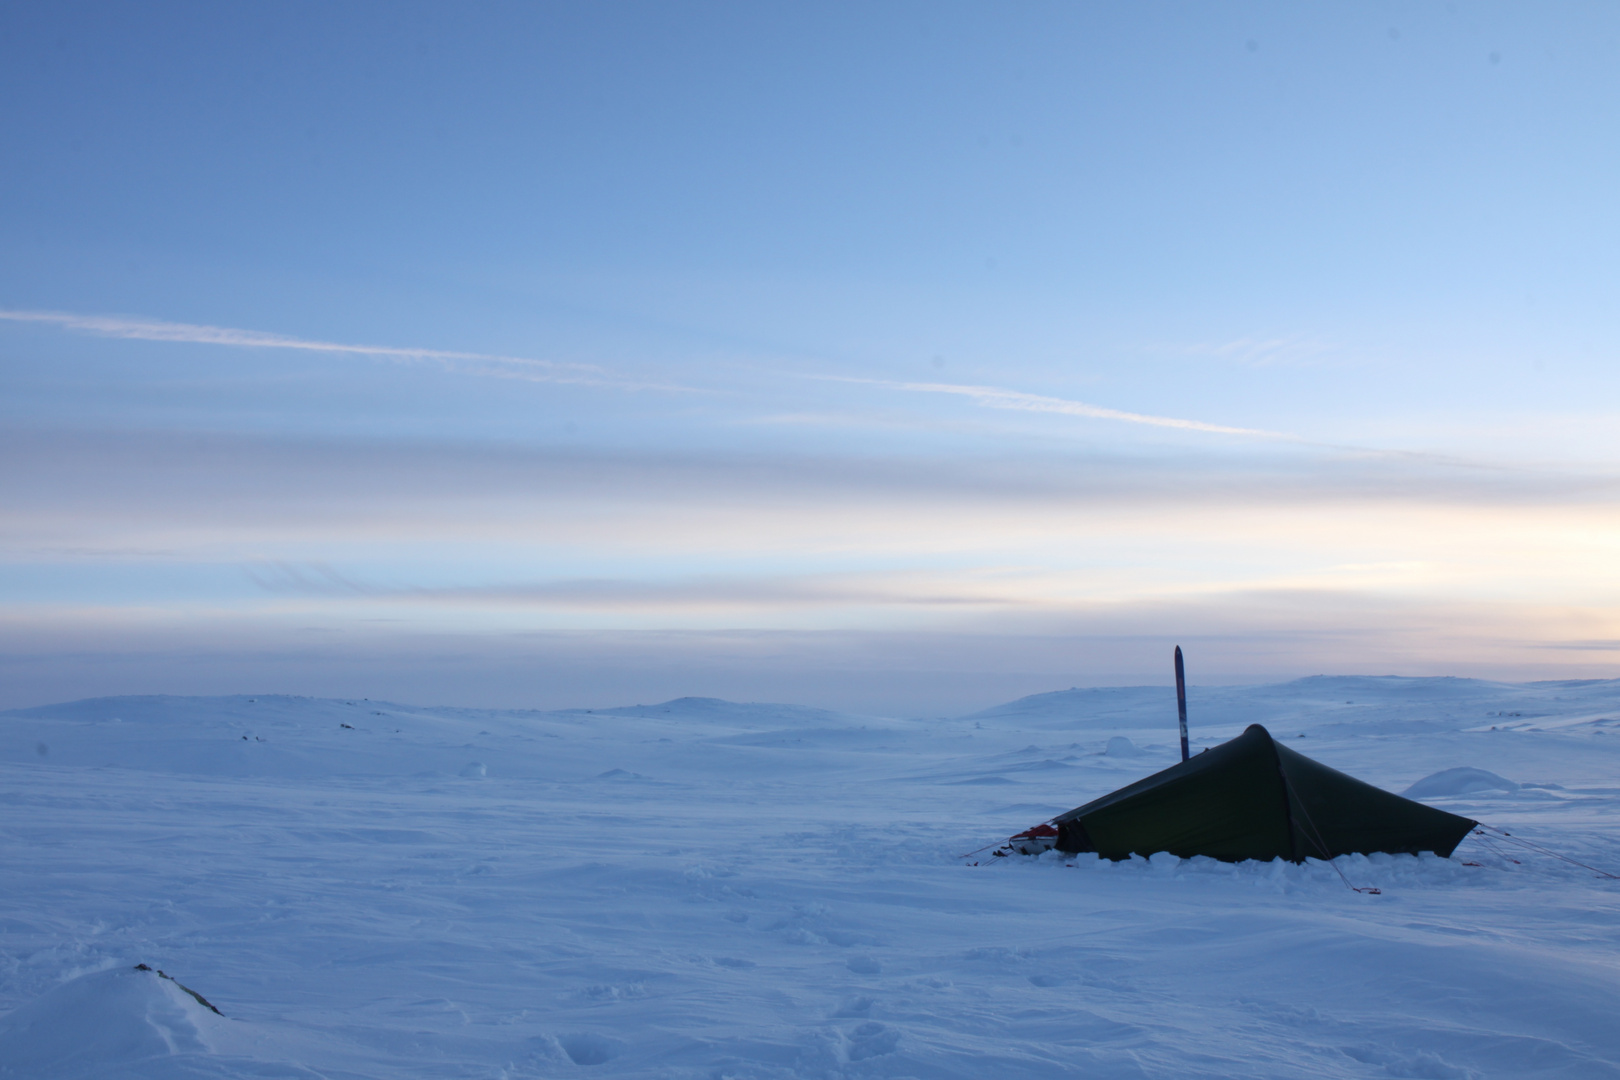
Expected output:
(1459, 781)
(111, 1017)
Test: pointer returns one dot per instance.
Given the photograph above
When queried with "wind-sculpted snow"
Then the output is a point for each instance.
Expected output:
(1463, 780)
(710, 889)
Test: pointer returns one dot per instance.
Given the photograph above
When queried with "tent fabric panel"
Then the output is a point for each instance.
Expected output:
(1216, 758)
(1232, 815)
(1228, 804)
(1072, 837)
(1348, 816)
(1253, 798)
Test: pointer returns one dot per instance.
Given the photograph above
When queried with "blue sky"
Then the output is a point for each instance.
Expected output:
(903, 357)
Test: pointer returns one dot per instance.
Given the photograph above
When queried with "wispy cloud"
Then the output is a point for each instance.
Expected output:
(490, 364)
(551, 371)
(996, 397)
(695, 593)
(1254, 351)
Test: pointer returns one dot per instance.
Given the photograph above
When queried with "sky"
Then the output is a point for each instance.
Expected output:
(901, 358)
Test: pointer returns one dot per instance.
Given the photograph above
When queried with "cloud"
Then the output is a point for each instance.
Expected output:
(108, 490)
(62, 653)
(736, 592)
(308, 578)
(489, 364)
(995, 397)
(1293, 350)
(516, 367)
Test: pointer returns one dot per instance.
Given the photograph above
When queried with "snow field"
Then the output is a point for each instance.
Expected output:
(705, 889)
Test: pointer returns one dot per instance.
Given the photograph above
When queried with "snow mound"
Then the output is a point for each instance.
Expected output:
(704, 708)
(1120, 746)
(98, 1023)
(1464, 780)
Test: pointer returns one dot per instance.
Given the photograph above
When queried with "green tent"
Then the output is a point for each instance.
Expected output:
(1252, 798)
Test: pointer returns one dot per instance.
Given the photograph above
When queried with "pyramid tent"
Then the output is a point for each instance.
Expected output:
(1253, 798)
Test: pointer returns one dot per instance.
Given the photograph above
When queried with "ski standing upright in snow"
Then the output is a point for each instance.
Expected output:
(1181, 702)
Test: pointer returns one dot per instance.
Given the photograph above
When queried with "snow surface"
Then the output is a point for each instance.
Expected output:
(709, 889)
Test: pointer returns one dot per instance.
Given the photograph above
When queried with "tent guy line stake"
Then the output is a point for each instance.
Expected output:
(986, 847)
(1181, 702)
(1495, 847)
(1546, 851)
(1316, 838)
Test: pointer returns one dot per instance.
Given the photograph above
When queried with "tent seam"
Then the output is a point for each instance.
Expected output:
(1288, 806)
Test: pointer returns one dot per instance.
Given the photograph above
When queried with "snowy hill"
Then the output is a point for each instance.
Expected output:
(703, 888)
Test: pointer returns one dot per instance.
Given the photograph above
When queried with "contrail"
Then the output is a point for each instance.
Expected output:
(995, 397)
(509, 367)
(551, 371)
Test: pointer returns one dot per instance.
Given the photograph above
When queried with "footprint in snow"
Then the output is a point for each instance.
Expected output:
(871, 1040)
(582, 1048)
(855, 1006)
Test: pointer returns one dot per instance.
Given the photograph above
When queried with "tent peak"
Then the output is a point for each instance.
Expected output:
(1253, 798)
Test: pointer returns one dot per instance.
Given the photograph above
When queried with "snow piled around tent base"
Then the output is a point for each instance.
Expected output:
(704, 889)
